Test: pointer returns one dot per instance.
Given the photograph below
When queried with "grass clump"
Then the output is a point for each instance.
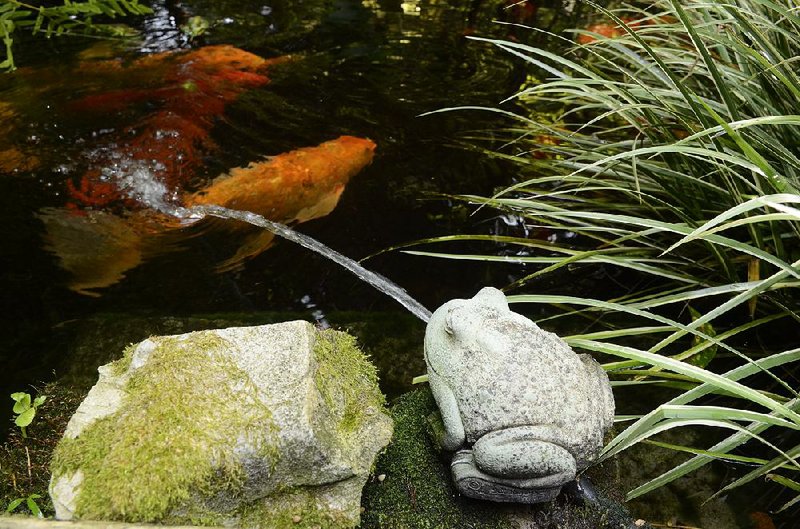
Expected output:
(672, 173)
(143, 462)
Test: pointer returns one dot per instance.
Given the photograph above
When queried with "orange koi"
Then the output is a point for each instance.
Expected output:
(98, 247)
(189, 90)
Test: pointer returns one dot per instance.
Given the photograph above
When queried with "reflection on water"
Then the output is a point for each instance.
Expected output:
(161, 31)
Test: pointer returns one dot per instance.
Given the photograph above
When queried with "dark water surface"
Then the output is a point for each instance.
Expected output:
(360, 68)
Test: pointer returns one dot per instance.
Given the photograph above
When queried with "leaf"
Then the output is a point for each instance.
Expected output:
(14, 504)
(786, 482)
(33, 507)
(759, 472)
(720, 381)
(788, 504)
(716, 455)
(725, 445)
(753, 274)
(38, 401)
(22, 404)
(755, 203)
(25, 418)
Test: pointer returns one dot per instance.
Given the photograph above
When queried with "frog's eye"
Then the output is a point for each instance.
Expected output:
(448, 324)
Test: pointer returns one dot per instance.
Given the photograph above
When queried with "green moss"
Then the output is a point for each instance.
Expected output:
(346, 380)
(296, 507)
(121, 366)
(144, 461)
(417, 492)
(393, 341)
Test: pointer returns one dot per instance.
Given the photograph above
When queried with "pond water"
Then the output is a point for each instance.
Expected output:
(366, 69)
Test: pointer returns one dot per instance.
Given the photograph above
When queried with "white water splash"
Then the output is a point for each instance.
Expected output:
(141, 181)
(376, 280)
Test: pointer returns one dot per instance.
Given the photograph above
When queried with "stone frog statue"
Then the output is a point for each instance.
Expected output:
(523, 411)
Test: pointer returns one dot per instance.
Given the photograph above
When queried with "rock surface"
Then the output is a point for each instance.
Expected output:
(525, 412)
(264, 426)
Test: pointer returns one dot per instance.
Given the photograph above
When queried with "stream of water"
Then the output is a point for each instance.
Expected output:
(382, 284)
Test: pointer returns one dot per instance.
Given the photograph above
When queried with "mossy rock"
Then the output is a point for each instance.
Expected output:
(411, 488)
(247, 426)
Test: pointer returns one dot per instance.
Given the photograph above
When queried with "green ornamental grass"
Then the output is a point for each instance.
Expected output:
(666, 142)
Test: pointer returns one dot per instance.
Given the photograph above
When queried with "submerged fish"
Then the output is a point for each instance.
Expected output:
(121, 209)
(609, 30)
(182, 93)
(97, 247)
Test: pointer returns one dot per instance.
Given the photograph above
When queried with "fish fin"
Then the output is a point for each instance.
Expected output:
(252, 246)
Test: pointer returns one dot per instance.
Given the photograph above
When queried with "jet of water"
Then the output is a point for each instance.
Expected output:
(376, 280)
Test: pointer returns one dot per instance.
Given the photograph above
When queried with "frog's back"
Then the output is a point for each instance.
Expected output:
(524, 376)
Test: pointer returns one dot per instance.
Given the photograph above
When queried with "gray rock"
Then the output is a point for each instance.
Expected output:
(264, 426)
(524, 412)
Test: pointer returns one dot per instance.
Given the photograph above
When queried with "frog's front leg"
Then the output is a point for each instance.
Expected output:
(454, 436)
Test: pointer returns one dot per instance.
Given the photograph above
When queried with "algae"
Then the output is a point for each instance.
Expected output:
(143, 462)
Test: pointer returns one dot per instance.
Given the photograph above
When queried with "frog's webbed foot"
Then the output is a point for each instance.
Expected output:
(474, 483)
